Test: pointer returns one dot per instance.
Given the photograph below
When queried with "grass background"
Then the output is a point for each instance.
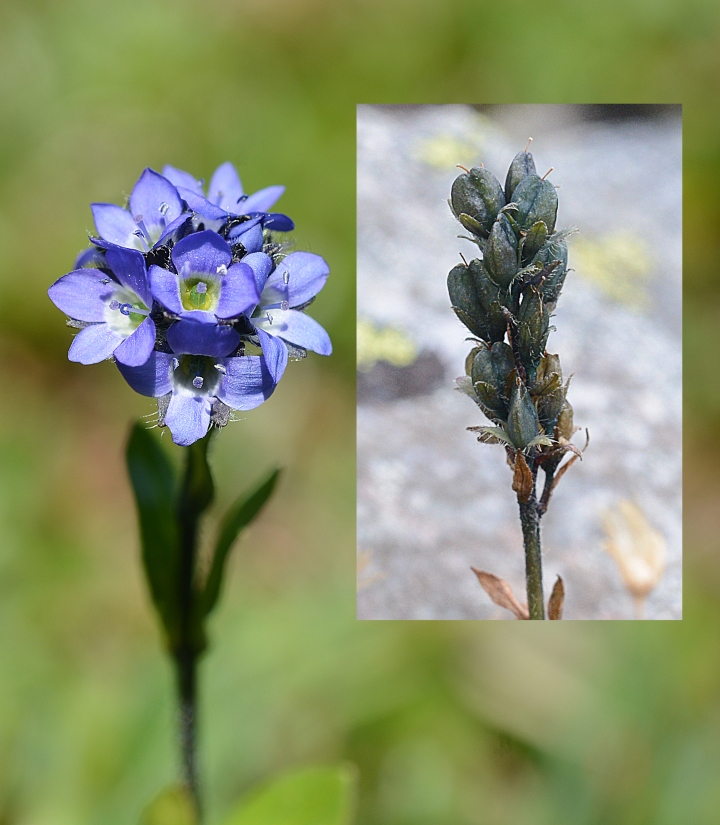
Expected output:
(448, 722)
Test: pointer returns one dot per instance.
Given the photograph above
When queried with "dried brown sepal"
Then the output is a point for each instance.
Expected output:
(501, 593)
(522, 478)
(556, 600)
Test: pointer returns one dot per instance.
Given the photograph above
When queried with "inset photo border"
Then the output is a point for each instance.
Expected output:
(527, 295)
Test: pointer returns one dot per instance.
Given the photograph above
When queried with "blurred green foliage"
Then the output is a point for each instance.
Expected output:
(448, 723)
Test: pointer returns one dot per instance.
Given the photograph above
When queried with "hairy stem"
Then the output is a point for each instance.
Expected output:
(530, 521)
(195, 495)
(186, 667)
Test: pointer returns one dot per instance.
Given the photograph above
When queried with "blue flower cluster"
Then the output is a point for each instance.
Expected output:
(194, 297)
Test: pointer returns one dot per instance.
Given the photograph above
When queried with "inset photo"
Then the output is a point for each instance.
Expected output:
(519, 417)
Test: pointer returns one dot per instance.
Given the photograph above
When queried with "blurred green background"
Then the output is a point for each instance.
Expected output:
(448, 722)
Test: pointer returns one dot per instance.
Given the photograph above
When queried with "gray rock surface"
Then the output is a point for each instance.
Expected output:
(431, 500)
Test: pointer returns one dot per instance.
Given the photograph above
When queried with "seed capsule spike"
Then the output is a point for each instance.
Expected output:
(528, 144)
(464, 261)
(460, 166)
(547, 173)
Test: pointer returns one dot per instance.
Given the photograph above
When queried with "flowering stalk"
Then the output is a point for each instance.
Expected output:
(506, 299)
(200, 305)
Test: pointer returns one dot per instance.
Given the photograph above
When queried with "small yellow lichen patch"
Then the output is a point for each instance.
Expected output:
(383, 344)
(638, 549)
(446, 151)
(619, 264)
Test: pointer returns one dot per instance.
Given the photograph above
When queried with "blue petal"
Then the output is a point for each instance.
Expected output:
(200, 252)
(307, 274)
(225, 188)
(246, 384)
(203, 207)
(153, 378)
(179, 178)
(251, 239)
(115, 224)
(92, 258)
(136, 348)
(296, 328)
(278, 222)
(260, 201)
(94, 344)
(156, 200)
(165, 288)
(129, 267)
(188, 417)
(261, 265)
(188, 337)
(82, 295)
(275, 354)
(238, 292)
(174, 228)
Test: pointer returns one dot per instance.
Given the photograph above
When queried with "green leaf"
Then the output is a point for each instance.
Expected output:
(154, 482)
(236, 519)
(311, 796)
(174, 806)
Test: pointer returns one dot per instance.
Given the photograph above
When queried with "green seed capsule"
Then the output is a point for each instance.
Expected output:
(537, 201)
(521, 166)
(533, 331)
(553, 284)
(474, 298)
(534, 240)
(500, 255)
(491, 369)
(565, 427)
(549, 375)
(478, 196)
(549, 407)
(522, 423)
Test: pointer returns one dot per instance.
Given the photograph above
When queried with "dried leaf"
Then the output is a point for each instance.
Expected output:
(556, 600)
(522, 478)
(501, 593)
(636, 546)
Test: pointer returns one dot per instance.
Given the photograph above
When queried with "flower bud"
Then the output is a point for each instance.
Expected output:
(479, 196)
(522, 423)
(536, 200)
(500, 254)
(521, 166)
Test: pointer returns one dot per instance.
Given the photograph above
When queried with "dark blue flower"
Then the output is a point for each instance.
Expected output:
(154, 213)
(284, 291)
(196, 389)
(226, 199)
(206, 290)
(116, 310)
